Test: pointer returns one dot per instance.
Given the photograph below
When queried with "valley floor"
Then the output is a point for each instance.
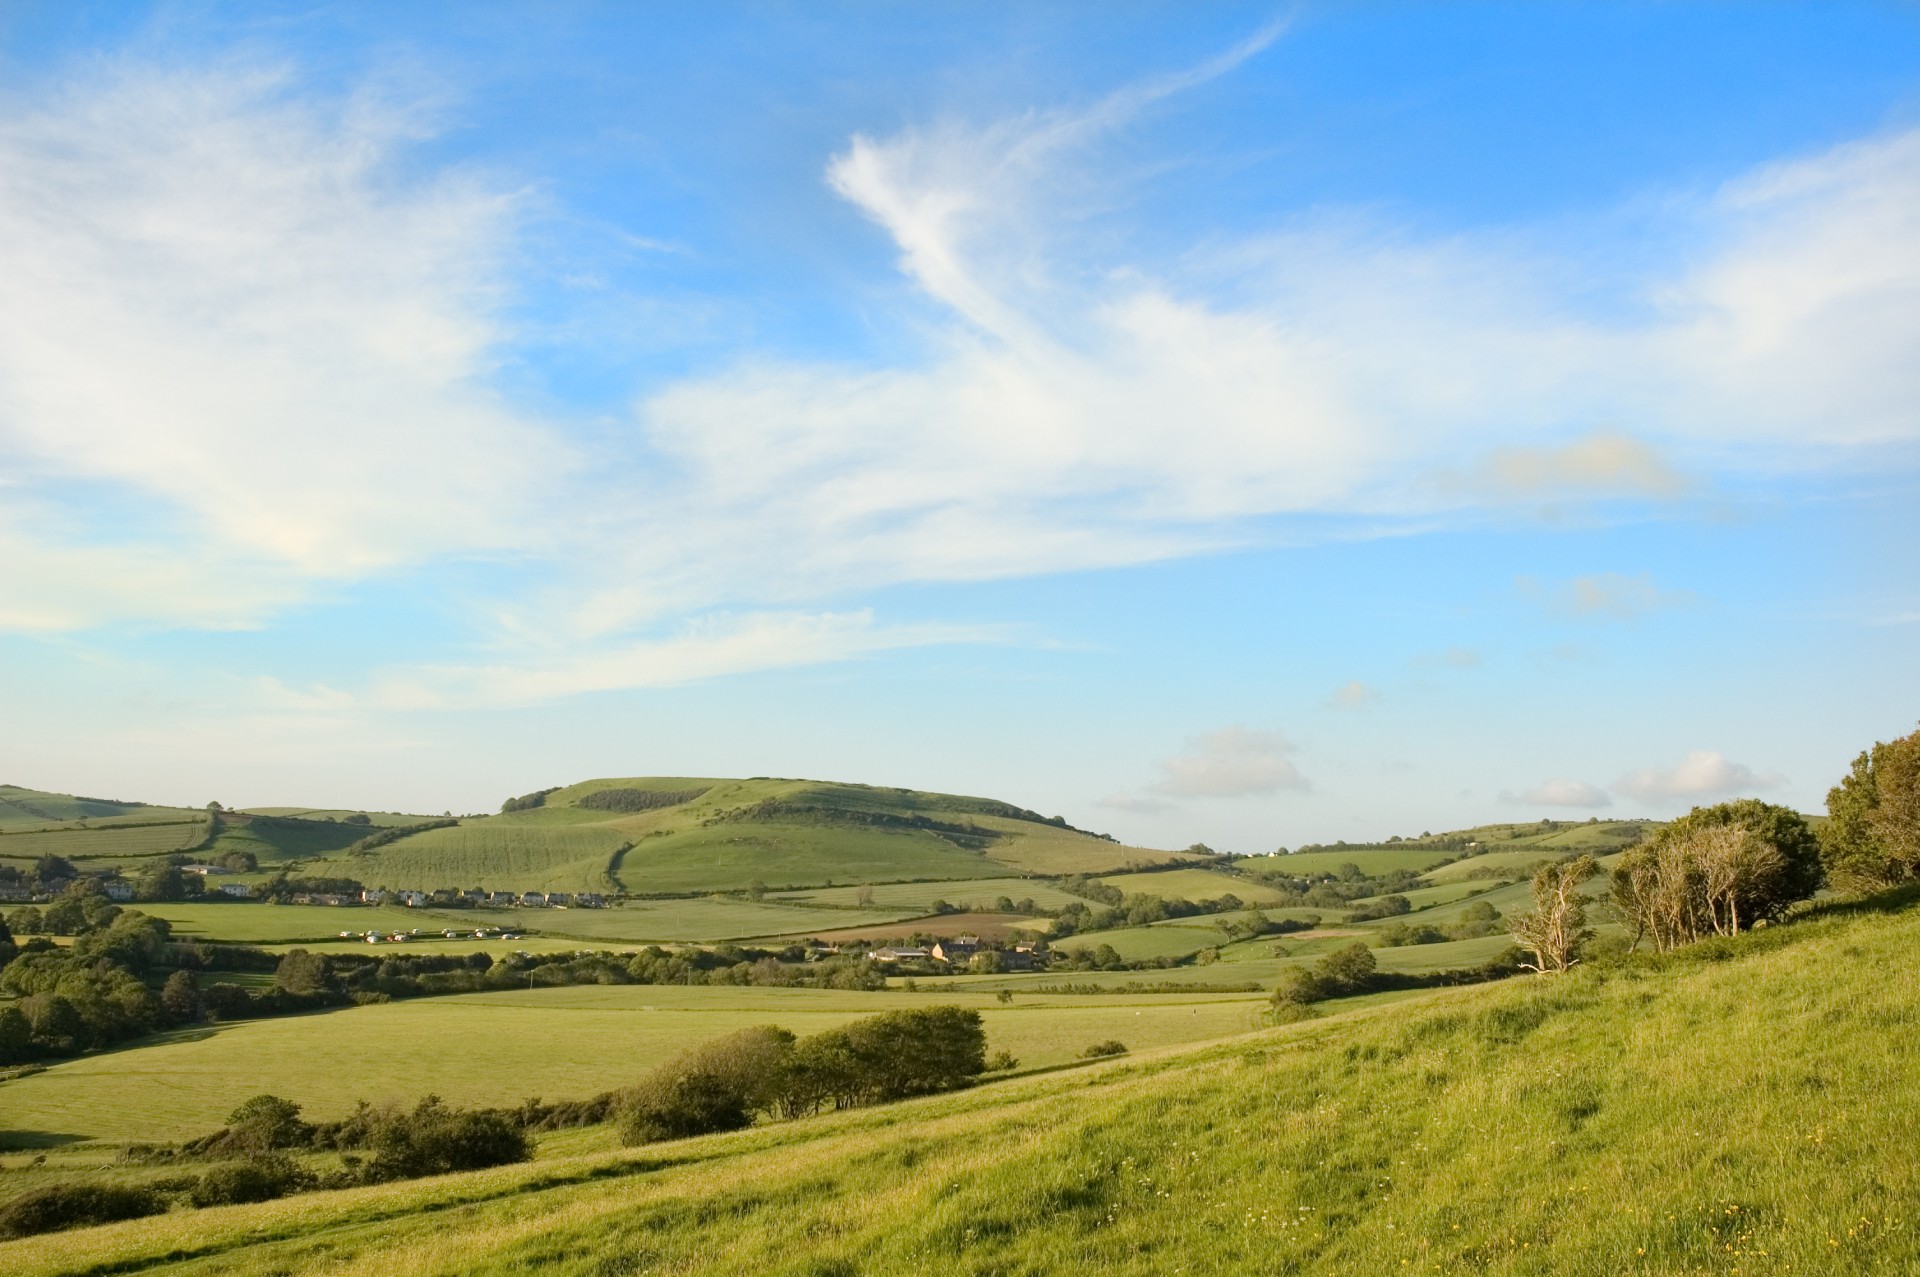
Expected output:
(1751, 1114)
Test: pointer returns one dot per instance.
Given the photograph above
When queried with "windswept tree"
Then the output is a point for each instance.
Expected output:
(1556, 927)
(1872, 836)
(1716, 871)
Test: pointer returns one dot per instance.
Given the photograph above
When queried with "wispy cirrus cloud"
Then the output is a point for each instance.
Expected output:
(1606, 596)
(713, 646)
(252, 341)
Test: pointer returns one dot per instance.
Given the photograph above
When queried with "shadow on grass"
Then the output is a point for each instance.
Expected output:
(15, 1141)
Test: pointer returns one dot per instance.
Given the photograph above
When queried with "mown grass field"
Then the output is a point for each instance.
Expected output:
(496, 857)
(99, 846)
(706, 918)
(1753, 1114)
(499, 1048)
(1192, 884)
(979, 893)
(731, 857)
(1134, 944)
(250, 923)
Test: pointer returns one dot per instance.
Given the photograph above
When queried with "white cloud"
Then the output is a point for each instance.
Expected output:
(1604, 596)
(1136, 804)
(245, 338)
(1704, 773)
(1561, 792)
(233, 322)
(711, 647)
(1233, 762)
(1355, 694)
(1073, 412)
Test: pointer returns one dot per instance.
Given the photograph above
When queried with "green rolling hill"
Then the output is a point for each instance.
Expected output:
(679, 835)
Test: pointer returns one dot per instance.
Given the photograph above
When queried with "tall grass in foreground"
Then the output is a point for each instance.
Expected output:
(1751, 1108)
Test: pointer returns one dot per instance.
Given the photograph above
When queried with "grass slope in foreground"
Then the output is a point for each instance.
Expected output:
(1756, 1113)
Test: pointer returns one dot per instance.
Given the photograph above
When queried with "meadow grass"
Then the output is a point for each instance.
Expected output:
(1755, 1114)
(499, 1048)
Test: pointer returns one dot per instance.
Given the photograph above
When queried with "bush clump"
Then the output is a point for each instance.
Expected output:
(63, 1206)
(1100, 1050)
(259, 1179)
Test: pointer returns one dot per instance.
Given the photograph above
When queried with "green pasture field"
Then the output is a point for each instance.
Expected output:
(34, 808)
(95, 844)
(1192, 884)
(730, 857)
(275, 845)
(988, 926)
(1369, 860)
(494, 855)
(1425, 898)
(638, 922)
(500, 1048)
(1039, 849)
(1510, 864)
(1680, 1117)
(375, 819)
(705, 918)
(1137, 943)
(248, 922)
(920, 896)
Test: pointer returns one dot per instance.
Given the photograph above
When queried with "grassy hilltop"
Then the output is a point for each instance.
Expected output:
(659, 835)
(1746, 1106)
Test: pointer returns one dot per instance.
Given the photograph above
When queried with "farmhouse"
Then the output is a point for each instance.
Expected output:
(898, 955)
(590, 900)
(119, 890)
(533, 899)
(413, 899)
(502, 899)
(559, 899)
(239, 890)
(957, 950)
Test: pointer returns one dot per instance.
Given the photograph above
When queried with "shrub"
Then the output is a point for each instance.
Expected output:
(259, 1179)
(61, 1206)
(717, 1086)
(1347, 970)
(1716, 871)
(1100, 1050)
(437, 1140)
(1298, 987)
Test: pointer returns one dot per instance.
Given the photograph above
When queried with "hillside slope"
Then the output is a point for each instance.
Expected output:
(1753, 1114)
(663, 835)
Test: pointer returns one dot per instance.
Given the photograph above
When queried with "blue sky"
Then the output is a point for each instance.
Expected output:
(1236, 424)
